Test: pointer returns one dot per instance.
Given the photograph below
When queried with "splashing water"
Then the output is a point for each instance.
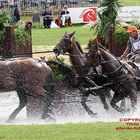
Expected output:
(64, 113)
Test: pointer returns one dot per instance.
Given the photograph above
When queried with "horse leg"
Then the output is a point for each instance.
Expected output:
(83, 102)
(22, 103)
(107, 94)
(133, 98)
(116, 98)
(122, 105)
(103, 100)
(47, 111)
(36, 101)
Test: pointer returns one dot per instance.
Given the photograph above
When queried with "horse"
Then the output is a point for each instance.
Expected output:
(30, 79)
(121, 75)
(82, 68)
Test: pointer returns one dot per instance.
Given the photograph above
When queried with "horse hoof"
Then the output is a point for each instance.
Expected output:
(9, 121)
(50, 120)
(93, 115)
(106, 108)
(128, 110)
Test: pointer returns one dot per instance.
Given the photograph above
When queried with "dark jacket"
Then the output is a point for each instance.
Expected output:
(16, 14)
(48, 13)
(64, 12)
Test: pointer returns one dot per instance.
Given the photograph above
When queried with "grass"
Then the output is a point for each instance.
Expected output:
(89, 131)
(48, 37)
(130, 2)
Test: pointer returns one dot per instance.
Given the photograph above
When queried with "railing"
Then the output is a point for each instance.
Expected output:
(27, 11)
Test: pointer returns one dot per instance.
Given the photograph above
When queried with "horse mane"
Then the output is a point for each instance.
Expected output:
(78, 45)
(108, 53)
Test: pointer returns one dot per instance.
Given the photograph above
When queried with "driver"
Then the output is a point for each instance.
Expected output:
(133, 43)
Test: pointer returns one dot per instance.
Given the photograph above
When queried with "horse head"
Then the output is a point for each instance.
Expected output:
(65, 44)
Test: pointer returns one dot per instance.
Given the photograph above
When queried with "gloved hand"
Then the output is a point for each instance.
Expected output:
(122, 57)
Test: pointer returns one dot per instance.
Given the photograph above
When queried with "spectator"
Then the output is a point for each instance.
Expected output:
(16, 14)
(47, 17)
(65, 17)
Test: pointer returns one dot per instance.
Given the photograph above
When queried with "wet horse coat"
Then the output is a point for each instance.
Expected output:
(29, 78)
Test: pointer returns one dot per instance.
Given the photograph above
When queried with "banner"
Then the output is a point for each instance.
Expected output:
(82, 14)
(87, 14)
(129, 13)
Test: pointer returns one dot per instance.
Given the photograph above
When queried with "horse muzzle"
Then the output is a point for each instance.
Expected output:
(56, 51)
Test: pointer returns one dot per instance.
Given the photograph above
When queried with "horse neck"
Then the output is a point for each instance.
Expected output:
(77, 58)
(110, 62)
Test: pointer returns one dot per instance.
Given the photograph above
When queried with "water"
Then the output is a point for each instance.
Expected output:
(69, 113)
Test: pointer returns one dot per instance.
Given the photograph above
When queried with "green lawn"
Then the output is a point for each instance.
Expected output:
(91, 131)
(130, 2)
(48, 37)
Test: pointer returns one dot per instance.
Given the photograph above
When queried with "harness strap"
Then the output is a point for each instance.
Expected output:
(114, 73)
(135, 67)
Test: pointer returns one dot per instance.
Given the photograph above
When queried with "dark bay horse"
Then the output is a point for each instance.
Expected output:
(82, 68)
(30, 79)
(122, 75)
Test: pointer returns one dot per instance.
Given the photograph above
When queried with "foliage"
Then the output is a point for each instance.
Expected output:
(135, 22)
(57, 75)
(107, 17)
(93, 42)
(121, 36)
(1, 36)
(22, 37)
(4, 19)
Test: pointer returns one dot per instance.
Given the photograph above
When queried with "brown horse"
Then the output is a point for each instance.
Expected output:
(122, 76)
(82, 68)
(30, 79)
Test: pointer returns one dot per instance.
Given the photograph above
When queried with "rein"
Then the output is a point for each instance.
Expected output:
(33, 53)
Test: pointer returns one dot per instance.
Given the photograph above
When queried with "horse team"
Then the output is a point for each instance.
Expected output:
(31, 79)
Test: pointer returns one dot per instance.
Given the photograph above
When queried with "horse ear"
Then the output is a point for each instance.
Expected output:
(65, 33)
(71, 35)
